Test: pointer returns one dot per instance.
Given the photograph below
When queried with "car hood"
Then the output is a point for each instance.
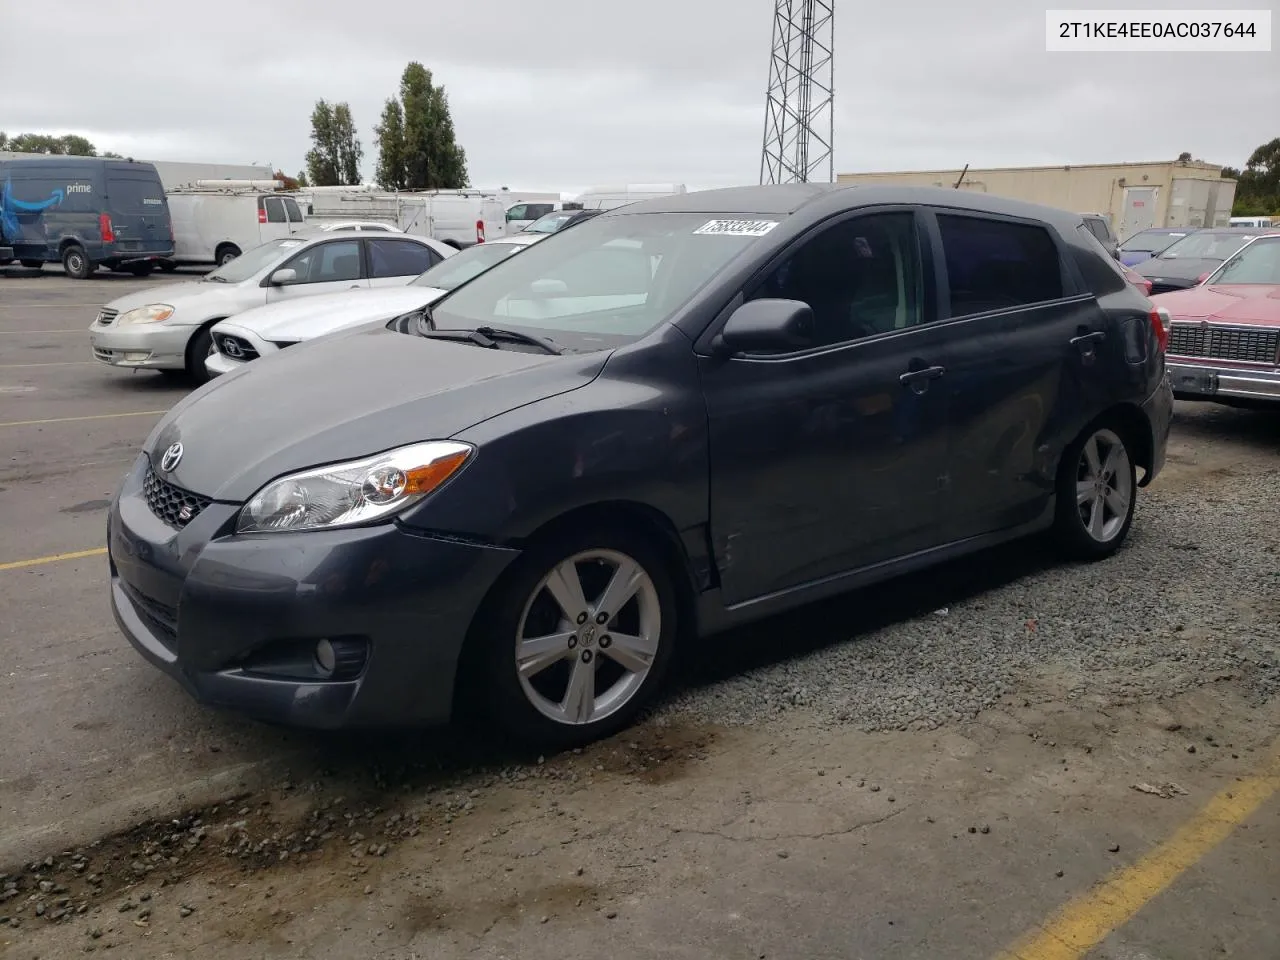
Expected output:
(1243, 303)
(191, 298)
(1178, 268)
(308, 317)
(349, 395)
(1135, 257)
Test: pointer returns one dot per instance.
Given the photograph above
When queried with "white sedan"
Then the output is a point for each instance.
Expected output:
(269, 329)
(169, 327)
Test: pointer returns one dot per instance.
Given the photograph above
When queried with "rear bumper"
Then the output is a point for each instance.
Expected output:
(1158, 409)
(1199, 381)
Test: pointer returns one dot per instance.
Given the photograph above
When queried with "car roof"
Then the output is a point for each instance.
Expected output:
(818, 200)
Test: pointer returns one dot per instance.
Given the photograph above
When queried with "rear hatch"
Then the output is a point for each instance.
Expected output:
(138, 210)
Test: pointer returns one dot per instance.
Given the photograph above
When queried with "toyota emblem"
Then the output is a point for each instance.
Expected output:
(171, 458)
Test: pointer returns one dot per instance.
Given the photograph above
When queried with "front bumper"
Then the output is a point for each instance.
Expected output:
(203, 605)
(153, 346)
(1209, 381)
(218, 364)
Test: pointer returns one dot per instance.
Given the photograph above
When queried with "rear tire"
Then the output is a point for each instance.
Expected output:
(198, 349)
(168, 266)
(77, 263)
(624, 675)
(225, 254)
(32, 264)
(1097, 492)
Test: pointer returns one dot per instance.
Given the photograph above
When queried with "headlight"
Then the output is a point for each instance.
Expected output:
(346, 494)
(152, 313)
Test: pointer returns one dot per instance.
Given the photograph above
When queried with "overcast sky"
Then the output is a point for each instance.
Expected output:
(562, 94)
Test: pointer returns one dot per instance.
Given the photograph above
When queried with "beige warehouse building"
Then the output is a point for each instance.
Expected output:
(1134, 195)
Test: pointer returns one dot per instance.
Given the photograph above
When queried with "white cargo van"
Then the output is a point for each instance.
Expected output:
(459, 218)
(1251, 222)
(520, 215)
(213, 225)
(608, 198)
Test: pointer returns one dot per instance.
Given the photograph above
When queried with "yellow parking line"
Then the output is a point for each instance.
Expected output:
(54, 363)
(92, 416)
(1089, 919)
(76, 555)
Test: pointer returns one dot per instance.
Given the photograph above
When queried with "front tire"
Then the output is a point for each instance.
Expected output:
(1096, 495)
(76, 263)
(198, 349)
(225, 254)
(577, 638)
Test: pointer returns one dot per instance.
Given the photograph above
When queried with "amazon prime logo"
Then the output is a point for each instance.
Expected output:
(171, 458)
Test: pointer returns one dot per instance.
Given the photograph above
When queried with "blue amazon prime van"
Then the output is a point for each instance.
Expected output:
(85, 213)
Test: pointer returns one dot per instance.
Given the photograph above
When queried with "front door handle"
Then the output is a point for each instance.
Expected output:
(354, 286)
(1087, 339)
(918, 380)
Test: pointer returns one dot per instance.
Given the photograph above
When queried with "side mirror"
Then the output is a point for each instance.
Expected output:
(1202, 278)
(768, 326)
(284, 276)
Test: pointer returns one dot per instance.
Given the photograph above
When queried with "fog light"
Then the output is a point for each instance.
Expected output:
(136, 357)
(326, 657)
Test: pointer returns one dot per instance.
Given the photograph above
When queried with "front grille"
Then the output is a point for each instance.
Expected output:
(160, 616)
(173, 505)
(1252, 345)
(237, 348)
(107, 316)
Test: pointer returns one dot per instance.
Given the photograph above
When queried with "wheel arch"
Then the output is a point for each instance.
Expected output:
(1132, 425)
(196, 333)
(631, 515)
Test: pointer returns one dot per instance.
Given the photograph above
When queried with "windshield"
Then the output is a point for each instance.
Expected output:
(251, 261)
(456, 270)
(1259, 262)
(550, 223)
(1150, 241)
(1206, 245)
(606, 282)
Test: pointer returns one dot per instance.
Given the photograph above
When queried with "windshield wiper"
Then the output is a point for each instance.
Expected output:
(489, 337)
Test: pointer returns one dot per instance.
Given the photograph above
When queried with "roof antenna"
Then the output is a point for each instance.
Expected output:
(961, 180)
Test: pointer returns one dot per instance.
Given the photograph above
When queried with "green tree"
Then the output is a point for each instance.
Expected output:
(1258, 184)
(335, 157)
(302, 178)
(426, 154)
(71, 144)
(390, 133)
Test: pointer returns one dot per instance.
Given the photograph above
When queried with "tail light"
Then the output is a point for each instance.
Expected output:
(479, 231)
(262, 214)
(104, 227)
(1160, 321)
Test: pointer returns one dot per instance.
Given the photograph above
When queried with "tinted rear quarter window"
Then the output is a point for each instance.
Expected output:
(398, 258)
(998, 264)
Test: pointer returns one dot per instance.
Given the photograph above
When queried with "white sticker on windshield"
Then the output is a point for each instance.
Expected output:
(737, 228)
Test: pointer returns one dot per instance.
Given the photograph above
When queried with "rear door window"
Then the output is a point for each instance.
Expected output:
(398, 258)
(998, 264)
(535, 210)
(291, 208)
(275, 210)
(135, 194)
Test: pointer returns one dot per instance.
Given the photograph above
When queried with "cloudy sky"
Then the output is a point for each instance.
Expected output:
(561, 94)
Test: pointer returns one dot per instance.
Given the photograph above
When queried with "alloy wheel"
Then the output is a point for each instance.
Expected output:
(588, 637)
(1104, 486)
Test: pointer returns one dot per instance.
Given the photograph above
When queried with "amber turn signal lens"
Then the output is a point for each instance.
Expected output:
(426, 478)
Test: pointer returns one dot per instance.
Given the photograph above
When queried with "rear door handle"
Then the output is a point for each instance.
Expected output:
(1086, 339)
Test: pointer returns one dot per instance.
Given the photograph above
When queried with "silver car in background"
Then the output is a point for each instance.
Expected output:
(269, 329)
(168, 327)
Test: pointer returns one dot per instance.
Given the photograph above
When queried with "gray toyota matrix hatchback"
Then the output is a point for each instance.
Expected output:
(676, 417)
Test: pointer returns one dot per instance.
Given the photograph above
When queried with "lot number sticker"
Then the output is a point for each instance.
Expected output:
(737, 228)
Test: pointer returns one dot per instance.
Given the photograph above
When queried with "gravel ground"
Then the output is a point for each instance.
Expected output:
(1190, 599)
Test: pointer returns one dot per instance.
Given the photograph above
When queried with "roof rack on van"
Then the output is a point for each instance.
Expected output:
(227, 186)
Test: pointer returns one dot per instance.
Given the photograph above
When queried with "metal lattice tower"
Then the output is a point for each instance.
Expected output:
(799, 120)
